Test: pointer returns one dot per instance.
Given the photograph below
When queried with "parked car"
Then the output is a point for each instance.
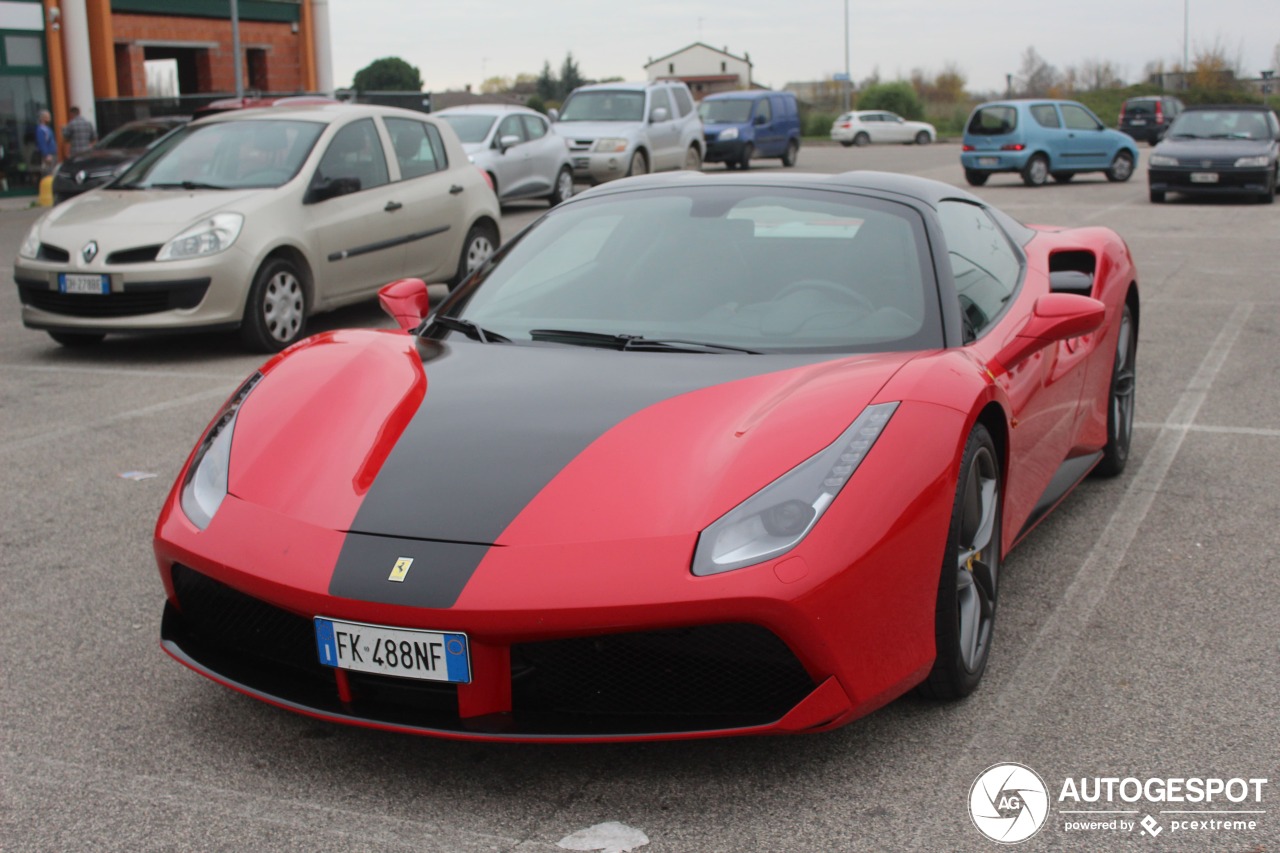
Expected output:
(256, 219)
(250, 102)
(620, 129)
(1042, 138)
(517, 149)
(665, 469)
(1229, 149)
(112, 154)
(863, 127)
(740, 126)
(1147, 118)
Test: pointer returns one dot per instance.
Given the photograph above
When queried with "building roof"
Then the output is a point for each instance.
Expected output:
(745, 58)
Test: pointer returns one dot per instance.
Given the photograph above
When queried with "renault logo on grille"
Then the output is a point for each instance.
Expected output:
(80, 176)
(90, 251)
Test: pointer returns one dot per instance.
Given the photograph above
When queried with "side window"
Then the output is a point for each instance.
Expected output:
(414, 152)
(511, 126)
(534, 127)
(984, 264)
(660, 98)
(355, 152)
(684, 104)
(763, 109)
(1045, 115)
(1078, 118)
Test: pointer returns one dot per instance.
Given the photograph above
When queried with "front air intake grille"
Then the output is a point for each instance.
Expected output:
(136, 299)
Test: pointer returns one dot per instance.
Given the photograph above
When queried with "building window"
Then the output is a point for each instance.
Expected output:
(723, 67)
(256, 59)
(671, 68)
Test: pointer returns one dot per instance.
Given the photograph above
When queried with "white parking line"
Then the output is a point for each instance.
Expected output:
(126, 371)
(1220, 430)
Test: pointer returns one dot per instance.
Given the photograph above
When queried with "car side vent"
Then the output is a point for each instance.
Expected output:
(1072, 272)
(53, 253)
(139, 255)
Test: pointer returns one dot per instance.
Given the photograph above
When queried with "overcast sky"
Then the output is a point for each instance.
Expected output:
(457, 43)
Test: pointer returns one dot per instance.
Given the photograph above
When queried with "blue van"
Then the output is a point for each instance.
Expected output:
(740, 126)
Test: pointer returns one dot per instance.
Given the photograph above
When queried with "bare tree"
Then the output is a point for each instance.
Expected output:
(1097, 74)
(1036, 77)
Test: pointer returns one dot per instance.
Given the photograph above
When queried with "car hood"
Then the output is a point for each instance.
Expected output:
(375, 432)
(1193, 149)
(97, 159)
(594, 129)
(135, 217)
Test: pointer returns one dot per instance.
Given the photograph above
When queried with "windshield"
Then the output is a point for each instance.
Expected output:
(728, 111)
(134, 135)
(470, 128)
(754, 268)
(226, 155)
(606, 105)
(1220, 124)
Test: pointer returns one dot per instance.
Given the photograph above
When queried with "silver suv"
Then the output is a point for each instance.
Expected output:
(620, 129)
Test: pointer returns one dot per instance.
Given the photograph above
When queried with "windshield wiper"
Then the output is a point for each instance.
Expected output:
(632, 342)
(468, 328)
(187, 185)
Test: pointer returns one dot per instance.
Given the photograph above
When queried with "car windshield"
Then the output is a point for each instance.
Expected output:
(470, 127)
(606, 105)
(1220, 124)
(993, 121)
(721, 268)
(729, 111)
(134, 135)
(226, 155)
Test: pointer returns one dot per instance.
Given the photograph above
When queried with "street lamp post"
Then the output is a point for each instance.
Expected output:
(848, 82)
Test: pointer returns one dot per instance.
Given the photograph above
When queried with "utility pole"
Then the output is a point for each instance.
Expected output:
(235, 47)
(848, 81)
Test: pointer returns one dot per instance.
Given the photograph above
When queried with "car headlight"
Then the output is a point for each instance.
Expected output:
(1261, 161)
(775, 519)
(206, 237)
(206, 482)
(1162, 160)
(30, 247)
(728, 134)
(609, 145)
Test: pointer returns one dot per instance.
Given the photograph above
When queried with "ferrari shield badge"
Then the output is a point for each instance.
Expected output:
(400, 569)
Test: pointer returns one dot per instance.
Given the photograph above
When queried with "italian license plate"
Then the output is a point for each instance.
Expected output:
(1137, 122)
(77, 283)
(402, 652)
(988, 161)
(1204, 177)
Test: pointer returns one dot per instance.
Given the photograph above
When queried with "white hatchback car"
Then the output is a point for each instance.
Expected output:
(517, 149)
(255, 220)
(865, 126)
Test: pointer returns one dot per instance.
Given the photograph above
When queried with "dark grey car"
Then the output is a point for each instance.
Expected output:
(111, 155)
(1212, 150)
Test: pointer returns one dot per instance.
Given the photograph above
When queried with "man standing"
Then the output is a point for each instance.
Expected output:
(79, 133)
(45, 143)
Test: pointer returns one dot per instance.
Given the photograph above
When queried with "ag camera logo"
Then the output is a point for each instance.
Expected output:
(1008, 803)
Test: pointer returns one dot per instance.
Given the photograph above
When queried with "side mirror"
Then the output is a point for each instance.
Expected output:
(508, 142)
(406, 301)
(326, 188)
(659, 114)
(1055, 317)
(762, 120)
(553, 114)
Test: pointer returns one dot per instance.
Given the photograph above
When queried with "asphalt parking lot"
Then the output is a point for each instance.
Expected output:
(1139, 629)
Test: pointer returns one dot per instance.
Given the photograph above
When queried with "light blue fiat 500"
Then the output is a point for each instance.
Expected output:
(1040, 139)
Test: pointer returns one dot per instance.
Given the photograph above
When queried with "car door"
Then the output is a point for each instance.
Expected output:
(546, 155)
(664, 135)
(352, 216)
(769, 142)
(433, 200)
(1085, 145)
(895, 128)
(511, 160)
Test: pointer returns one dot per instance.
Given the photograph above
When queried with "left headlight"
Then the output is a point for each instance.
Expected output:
(30, 247)
(206, 482)
(775, 519)
(1261, 161)
(610, 145)
(206, 237)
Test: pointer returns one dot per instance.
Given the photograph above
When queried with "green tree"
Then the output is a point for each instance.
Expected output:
(899, 97)
(389, 74)
(547, 86)
(570, 77)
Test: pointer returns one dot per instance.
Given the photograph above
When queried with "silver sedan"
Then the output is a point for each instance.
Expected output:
(516, 147)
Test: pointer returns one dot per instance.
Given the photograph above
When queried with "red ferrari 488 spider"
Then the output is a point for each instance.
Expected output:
(691, 456)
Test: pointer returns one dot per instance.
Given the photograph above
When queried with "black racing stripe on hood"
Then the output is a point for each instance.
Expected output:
(498, 422)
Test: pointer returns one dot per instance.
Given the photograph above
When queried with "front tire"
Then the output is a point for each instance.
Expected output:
(275, 313)
(1036, 171)
(481, 243)
(1156, 196)
(1121, 168)
(923, 138)
(564, 187)
(639, 164)
(792, 154)
(1063, 177)
(748, 151)
(976, 178)
(966, 606)
(862, 139)
(1120, 400)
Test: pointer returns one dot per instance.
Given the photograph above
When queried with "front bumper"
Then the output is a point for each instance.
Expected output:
(1229, 181)
(145, 296)
(598, 168)
(725, 152)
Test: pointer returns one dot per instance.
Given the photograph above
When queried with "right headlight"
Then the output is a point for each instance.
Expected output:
(207, 478)
(1162, 160)
(728, 134)
(206, 237)
(778, 517)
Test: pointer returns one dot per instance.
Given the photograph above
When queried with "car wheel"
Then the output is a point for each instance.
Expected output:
(1063, 177)
(1157, 196)
(1036, 172)
(976, 178)
(1120, 401)
(78, 339)
(966, 607)
(564, 187)
(923, 138)
(1269, 196)
(1121, 168)
(847, 143)
(639, 164)
(693, 159)
(275, 312)
(748, 151)
(861, 139)
(481, 243)
(792, 154)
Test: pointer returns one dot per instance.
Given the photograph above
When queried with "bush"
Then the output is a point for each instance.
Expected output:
(817, 124)
(897, 97)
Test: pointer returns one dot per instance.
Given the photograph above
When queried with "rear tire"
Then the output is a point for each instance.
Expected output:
(966, 607)
(976, 178)
(481, 243)
(693, 159)
(1036, 171)
(78, 340)
(564, 187)
(1121, 168)
(1120, 400)
(275, 312)
(792, 154)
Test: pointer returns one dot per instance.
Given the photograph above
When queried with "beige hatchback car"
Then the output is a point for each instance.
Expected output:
(256, 220)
